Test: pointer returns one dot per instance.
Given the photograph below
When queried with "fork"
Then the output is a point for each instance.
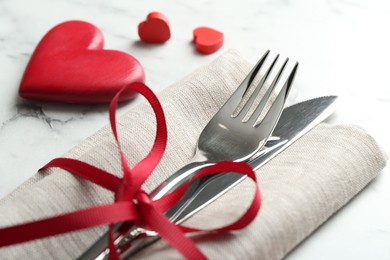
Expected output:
(227, 136)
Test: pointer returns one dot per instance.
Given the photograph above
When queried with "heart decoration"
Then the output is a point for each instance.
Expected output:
(207, 40)
(70, 65)
(155, 29)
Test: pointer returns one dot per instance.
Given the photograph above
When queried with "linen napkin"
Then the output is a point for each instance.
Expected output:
(301, 188)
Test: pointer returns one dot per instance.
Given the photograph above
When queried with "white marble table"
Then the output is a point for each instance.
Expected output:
(342, 46)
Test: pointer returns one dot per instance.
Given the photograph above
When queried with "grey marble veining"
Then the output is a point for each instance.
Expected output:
(342, 46)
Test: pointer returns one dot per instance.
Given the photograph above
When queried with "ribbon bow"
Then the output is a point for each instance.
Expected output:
(132, 204)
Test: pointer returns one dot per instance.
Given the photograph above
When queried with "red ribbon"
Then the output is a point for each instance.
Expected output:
(131, 202)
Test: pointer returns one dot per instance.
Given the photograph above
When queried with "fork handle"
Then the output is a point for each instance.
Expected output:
(99, 249)
(177, 179)
(198, 195)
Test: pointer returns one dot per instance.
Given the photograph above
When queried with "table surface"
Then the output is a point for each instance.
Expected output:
(342, 47)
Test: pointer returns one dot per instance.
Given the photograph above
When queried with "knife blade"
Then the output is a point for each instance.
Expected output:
(294, 122)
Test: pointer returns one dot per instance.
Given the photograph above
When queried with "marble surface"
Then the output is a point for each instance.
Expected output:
(342, 47)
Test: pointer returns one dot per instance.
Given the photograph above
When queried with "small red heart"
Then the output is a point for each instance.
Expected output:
(207, 40)
(70, 65)
(155, 29)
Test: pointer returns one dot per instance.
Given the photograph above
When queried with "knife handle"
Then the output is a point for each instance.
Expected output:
(200, 193)
(122, 236)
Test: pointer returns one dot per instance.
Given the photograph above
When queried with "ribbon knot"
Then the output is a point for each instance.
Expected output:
(141, 197)
(138, 200)
(145, 206)
(132, 204)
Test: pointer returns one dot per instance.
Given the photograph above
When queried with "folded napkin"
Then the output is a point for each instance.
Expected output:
(301, 188)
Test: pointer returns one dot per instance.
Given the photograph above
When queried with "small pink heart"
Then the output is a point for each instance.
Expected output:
(70, 65)
(207, 40)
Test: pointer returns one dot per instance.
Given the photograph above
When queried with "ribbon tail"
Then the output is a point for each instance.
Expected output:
(171, 233)
(78, 220)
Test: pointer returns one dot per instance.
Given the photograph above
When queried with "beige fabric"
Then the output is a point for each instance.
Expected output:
(301, 188)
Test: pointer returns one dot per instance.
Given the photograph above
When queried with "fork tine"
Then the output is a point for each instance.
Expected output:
(253, 96)
(232, 103)
(265, 99)
(252, 74)
(269, 121)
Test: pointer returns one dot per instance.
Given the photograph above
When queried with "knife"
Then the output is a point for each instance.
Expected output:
(294, 122)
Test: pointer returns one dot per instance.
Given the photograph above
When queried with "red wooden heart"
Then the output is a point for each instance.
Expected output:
(155, 29)
(70, 65)
(207, 40)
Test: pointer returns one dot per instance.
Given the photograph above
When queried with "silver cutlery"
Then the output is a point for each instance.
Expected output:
(294, 122)
(227, 136)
